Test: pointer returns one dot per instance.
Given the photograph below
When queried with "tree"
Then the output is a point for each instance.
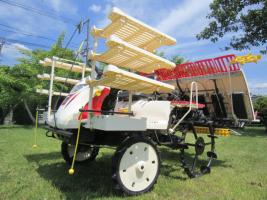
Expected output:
(260, 103)
(245, 19)
(9, 88)
(18, 84)
(178, 60)
(160, 54)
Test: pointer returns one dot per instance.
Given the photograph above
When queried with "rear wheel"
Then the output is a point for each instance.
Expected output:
(85, 153)
(136, 166)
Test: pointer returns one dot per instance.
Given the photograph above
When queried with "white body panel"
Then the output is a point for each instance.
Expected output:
(118, 123)
(156, 112)
(68, 112)
(147, 114)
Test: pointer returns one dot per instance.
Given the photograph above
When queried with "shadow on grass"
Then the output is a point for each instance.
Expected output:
(38, 158)
(173, 163)
(93, 180)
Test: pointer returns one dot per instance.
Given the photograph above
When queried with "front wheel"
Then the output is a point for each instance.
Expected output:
(136, 166)
(85, 153)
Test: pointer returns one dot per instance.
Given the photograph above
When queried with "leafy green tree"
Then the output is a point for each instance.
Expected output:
(245, 19)
(18, 84)
(9, 89)
(160, 54)
(260, 103)
(178, 60)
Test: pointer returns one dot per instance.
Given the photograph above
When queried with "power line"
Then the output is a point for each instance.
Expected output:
(23, 42)
(28, 34)
(21, 32)
(38, 11)
(11, 41)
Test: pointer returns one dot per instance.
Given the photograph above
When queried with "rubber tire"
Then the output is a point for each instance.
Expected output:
(116, 162)
(68, 158)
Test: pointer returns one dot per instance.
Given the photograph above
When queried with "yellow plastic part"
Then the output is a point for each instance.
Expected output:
(217, 131)
(123, 110)
(249, 58)
(71, 170)
(97, 93)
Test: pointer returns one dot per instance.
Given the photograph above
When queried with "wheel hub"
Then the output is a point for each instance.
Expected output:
(199, 146)
(141, 166)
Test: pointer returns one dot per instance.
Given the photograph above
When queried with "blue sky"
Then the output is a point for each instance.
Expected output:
(182, 19)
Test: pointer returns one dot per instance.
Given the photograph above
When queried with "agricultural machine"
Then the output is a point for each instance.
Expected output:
(141, 101)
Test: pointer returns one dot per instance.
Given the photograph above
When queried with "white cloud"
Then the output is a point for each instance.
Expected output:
(259, 88)
(104, 21)
(193, 44)
(259, 85)
(148, 11)
(186, 47)
(185, 18)
(95, 8)
(63, 6)
(20, 46)
(10, 52)
(13, 48)
(135, 8)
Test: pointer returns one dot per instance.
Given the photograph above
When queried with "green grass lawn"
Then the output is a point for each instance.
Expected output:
(26, 173)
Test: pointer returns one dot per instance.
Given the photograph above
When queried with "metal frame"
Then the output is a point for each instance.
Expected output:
(51, 86)
(193, 86)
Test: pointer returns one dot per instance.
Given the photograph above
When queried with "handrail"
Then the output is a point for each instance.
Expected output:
(172, 130)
